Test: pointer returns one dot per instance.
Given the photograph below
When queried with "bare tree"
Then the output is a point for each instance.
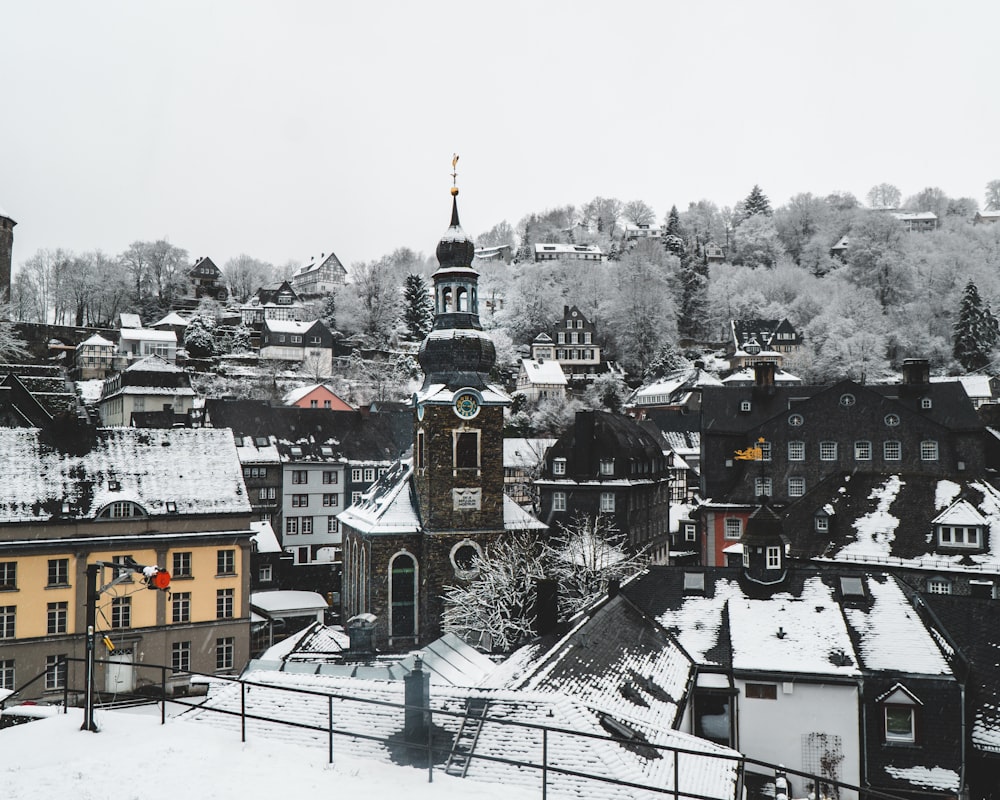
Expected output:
(637, 212)
(884, 195)
(378, 298)
(244, 275)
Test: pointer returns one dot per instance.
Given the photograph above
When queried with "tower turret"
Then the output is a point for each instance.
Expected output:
(764, 547)
(6, 253)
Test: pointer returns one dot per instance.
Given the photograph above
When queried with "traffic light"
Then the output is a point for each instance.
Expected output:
(156, 578)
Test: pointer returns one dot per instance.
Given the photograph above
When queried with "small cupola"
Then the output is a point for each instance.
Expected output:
(763, 541)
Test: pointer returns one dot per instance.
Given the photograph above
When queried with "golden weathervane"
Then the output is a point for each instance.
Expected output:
(755, 453)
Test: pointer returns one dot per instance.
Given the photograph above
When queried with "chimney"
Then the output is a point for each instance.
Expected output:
(361, 630)
(583, 432)
(565, 311)
(546, 606)
(614, 587)
(763, 373)
(916, 372)
(417, 697)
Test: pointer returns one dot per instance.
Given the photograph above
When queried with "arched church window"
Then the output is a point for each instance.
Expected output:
(402, 595)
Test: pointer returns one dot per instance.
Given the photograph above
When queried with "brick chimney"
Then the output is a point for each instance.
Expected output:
(763, 374)
(546, 606)
(916, 372)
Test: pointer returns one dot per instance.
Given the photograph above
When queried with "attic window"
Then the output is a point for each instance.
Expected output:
(694, 581)
(847, 400)
(261, 441)
(925, 402)
(114, 486)
(964, 536)
(171, 507)
(821, 522)
(745, 405)
(795, 420)
(326, 450)
(121, 509)
(851, 587)
(296, 451)
(892, 420)
(939, 586)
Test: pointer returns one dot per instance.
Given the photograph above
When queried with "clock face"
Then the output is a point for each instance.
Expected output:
(466, 405)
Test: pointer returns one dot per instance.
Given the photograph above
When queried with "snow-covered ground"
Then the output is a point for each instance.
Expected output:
(133, 756)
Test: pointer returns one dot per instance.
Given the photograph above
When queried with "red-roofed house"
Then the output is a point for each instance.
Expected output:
(318, 395)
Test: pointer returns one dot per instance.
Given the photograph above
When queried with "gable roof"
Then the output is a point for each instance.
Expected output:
(321, 389)
(543, 373)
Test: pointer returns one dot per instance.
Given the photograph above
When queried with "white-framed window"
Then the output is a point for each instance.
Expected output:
(7, 673)
(762, 487)
(224, 603)
(307, 525)
(745, 405)
(291, 525)
(121, 612)
(796, 487)
(356, 474)
(690, 532)
(180, 606)
(57, 614)
(559, 466)
(795, 420)
(925, 403)
(827, 451)
(765, 450)
(300, 501)
(225, 648)
(939, 586)
(559, 501)
(55, 672)
(862, 450)
(892, 420)
(900, 723)
(180, 656)
(329, 476)
(733, 528)
(821, 522)
(225, 562)
(797, 451)
(8, 618)
(8, 575)
(959, 535)
(355, 496)
(330, 500)
(607, 501)
(892, 450)
(332, 525)
(300, 476)
(607, 466)
(369, 474)
(773, 557)
(181, 565)
(266, 573)
(267, 493)
(928, 450)
(59, 572)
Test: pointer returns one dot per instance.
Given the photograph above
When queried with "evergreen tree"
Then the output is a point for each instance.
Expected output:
(694, 297)
(418, 315)
(328, 313)
(667, 359)
(673, 237)
(756, 203)
(199, 336)
(976, 331)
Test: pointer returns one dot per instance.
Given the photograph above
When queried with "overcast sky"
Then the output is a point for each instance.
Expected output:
(282, 129)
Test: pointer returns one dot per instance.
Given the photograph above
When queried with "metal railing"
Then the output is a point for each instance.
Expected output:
(436, 751)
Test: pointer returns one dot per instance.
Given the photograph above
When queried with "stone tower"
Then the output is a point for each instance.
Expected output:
(458, 413)
(6, 253)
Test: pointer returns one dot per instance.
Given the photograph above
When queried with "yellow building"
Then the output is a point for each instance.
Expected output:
(78, 496)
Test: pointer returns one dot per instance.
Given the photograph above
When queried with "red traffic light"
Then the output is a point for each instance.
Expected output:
(157, 578)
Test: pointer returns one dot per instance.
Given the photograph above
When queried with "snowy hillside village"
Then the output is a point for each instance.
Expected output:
(530, 569)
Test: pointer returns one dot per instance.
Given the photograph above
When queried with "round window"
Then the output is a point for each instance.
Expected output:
(463, 558)
(795, 420)
(892, 420)
(847, 399)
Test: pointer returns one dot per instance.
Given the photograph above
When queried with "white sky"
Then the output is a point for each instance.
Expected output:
(282, 129)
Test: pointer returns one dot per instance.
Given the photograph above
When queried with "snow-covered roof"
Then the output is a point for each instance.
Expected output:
(288, 326)
(440, 394)
(667, 385)
(147, 335)
(388, 506)
(747, 376)
(173, 318)
(284, 601)
(548, 373)
(127, 319)
(194, 468)
(251, 452)
(525, 453)
(152, 363)
(974, 385)
(516, 518)
(96, 340)
(264, 538)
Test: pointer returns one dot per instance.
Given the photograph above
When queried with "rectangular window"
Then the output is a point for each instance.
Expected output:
(55, 672)
(300, 501)
(862, 451)
(734, 528)
(300, 476)
(356, 475)
(761, 691)
(559, 501)
(827, 451)
(899, 724)
(332, 525)
(369, 474)
(225, 562)
(58, 572)
(892, 451)
(796, 451)
(762, 487)
(929, 451)
(822, 523)
(265, 574)
(796, 487)
(467, 450)
(224, 652)
(8, 575)
(57, 614)
(119, 571)
(559, 466)
(307, 525)
(329, 476)
(690, 533)
(121, 612)
(181, 565)
(773, 557)
(7, 673)
(355, 496)
(607, 466)
(330, 500)
(765, 451)
(607, 501)
(180, 604)
(420, 450)
(8, 616)
(224, 603)
(180, 656)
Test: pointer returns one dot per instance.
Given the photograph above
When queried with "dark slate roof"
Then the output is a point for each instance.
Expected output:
(971, 626)
(722, 413)
(888, 520)
(354, 435)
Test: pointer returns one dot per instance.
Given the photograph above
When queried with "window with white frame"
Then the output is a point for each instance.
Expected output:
(796, 487)
(55, 672)
(892, 451)
(180, 656)
(300, 476)
(827, 451)
(306, 526)
(928, 450)
(925, 402)
(773, 557)
(180, 606)
(765, 450)
(797, 451)
(369, 474)
(900, 721)
(265, 573)
(733, 528)
(330, 500)
(291, 525)
(329, 476)
(58, 572)
(225, 647)
(300, 501)
(559, 466)
(959, 536)
(8, 575)
(762, 487)
(862, 450)
(355, 496)
(8, 616)
(181, 565)
(607, 501)
(224, 603)
(690, 532)
(56, 617)
(607, 466)
(559, 501)
(7, 673)
(821, 522)
(332, 525)
(267, 493)
(121, 612)
(356, 474)
(939, 586)
(225, 562)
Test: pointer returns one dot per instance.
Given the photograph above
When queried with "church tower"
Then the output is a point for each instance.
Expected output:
(458, 413)
(6, 254)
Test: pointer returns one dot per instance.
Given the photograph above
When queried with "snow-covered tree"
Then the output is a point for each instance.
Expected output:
(667, 359)
(637, 212)
(993, 195)
(607, 392)
(418, 309)
(199, 336)
(757, 242)
(976, 331)
(13, 348)
(756, 203)
(884, 195)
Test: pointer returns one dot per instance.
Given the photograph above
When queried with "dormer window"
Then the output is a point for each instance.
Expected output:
(899, 715)
(773, 557)
(559, 466)
(607, 466)
(925, 403)
(966, 536)
(121, 509)
(821, 522)
(745, 405)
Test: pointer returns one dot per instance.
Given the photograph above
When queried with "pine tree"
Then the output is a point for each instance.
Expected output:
(976, 331)
(418, 315)
(668, 359)
(694, 297)
(199, 339)
(673, 237)
(328, 314)
(756, 203)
